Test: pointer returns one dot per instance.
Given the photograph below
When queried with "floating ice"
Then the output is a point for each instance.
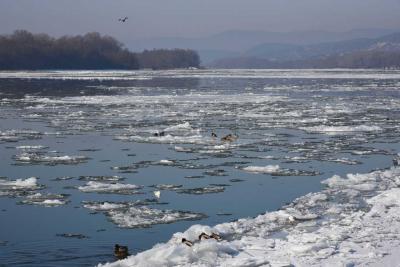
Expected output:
(267, 169)
(184, 127)
(104, 206)
(166, 162)
(136, 217)
(19, 186)
(36, 147)
(278, 171)
(167, 139)
(47, 200)
(101, 178)
(202, 190)
(110, 188)
(166, 186)
(342, 225)
(35, 158)
(342, 129)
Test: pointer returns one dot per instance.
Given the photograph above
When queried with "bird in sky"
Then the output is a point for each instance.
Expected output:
(123, 19)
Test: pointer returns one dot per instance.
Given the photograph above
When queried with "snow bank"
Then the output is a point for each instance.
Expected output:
(354, 221)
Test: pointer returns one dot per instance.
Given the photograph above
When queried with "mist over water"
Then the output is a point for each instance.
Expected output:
(93, 142)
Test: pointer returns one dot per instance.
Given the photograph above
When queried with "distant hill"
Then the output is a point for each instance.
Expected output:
(23, 50)
(284, 51)
(237, 42)
(358, 53)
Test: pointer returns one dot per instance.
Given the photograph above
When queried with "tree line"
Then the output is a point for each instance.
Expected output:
(23, 50)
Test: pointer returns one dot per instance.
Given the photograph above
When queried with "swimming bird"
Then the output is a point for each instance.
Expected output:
(214, 135)
(229, 138)
(187, 242)
(123, 19)
(120, 252)
(162, 133)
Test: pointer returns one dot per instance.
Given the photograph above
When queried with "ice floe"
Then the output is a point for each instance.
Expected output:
(342, 129)
(110, 188)
(276, 170)
(202, 190)
(18, 186)
(113, 178)
(344, 225)
(37, 158)
(135, 217)
(47, 200)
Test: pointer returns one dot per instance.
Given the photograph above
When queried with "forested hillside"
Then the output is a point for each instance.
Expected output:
(24, 50)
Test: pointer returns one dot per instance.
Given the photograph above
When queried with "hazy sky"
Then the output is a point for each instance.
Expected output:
(191, 18)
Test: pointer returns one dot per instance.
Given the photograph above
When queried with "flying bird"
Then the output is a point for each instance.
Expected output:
(122, 19)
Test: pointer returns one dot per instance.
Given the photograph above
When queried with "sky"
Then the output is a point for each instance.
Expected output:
(194, 18)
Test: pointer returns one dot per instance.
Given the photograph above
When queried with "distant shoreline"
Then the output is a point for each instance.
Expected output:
(23, 50)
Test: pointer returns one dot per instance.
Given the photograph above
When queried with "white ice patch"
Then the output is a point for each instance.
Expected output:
(110, 188)
(35, 158)
(166, 162)
(135, 217)
(47, 200)
(18, 186)
(266, 169)
(105, 206)
(29, 183)
(341, 129)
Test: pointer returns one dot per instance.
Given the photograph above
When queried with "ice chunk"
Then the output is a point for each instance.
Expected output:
(110, 188)
(18, 186)
(136, 217)
(35, 158)
(267, 169)
(202, 190)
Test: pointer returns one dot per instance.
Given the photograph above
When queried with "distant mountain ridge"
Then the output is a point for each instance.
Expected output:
(358, 53)
(229, 43)
(281, 52)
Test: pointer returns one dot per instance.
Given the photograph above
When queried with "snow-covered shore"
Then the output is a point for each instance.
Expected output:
(355, 220)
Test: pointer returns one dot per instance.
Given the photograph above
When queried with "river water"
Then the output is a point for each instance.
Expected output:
(94, 158)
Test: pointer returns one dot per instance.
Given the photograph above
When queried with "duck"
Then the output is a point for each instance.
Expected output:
(120, 252)
(213, 135)
(204, 235)
(213, 235)
(159, 134)
(187, 242)
(229, 138)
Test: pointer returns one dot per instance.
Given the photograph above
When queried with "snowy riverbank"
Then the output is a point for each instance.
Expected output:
(354, 221)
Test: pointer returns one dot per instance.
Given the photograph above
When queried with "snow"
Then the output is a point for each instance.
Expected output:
(355, 220)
